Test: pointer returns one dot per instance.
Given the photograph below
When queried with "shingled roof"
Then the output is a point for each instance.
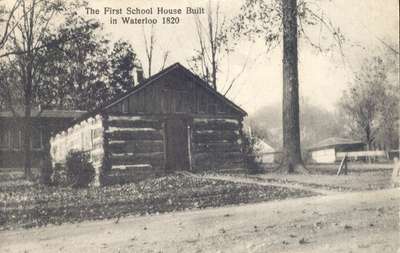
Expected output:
(153, 78)
(334, 141)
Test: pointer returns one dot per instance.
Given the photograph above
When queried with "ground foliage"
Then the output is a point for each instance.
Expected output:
(30, 205)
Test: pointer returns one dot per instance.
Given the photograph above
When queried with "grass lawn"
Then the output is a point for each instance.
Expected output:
(25, 204)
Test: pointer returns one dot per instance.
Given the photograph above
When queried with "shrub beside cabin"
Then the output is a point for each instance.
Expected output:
(171, 121)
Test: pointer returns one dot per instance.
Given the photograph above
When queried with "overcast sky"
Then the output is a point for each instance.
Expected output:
(322, 77)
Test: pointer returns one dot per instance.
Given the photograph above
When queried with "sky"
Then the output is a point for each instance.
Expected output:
(323, 77)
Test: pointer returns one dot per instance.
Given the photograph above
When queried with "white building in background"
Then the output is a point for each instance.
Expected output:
(265, 153)
(327, 150)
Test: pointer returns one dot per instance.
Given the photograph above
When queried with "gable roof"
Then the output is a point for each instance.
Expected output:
(334, 141)
(156, 77)
(263, 146)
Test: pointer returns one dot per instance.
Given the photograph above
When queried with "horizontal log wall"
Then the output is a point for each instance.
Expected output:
(86, 136)
(216, 143)
(135, 144)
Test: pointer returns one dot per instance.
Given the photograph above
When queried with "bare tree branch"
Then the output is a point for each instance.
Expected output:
(387, 45)
(233, 81)
(165, 58)
(6, 32)
(149, 47)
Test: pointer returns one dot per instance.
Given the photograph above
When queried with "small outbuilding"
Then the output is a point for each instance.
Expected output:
(327, 150)
(265, 152)
(45, 122)
(171, 121)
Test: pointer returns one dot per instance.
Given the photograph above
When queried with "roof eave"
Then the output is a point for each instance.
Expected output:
(333, 145)
(150, 80)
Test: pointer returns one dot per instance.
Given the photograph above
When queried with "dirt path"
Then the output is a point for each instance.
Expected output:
(348, 222)
(253, 181)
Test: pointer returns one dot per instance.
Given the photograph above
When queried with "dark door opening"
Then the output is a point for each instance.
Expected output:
(177, 144)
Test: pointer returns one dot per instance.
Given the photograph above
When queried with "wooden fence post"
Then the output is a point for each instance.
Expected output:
(343, 164)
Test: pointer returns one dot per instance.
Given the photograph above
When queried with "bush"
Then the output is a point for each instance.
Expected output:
(79, 170)
(59, 176)
(251, 155)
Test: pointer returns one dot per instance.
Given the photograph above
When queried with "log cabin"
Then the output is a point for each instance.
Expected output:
(169, 122)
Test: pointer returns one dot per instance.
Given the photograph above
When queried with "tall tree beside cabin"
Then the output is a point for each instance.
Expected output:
(40, 60)
(21, 51)
(267, 19)
(19, 45)
(292, 160)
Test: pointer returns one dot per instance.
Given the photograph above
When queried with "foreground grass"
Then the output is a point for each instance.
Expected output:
(24, 204)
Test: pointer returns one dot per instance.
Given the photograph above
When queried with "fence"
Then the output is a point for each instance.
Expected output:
(364, 155)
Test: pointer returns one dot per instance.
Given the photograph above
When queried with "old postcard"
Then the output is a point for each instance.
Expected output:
(199, 126)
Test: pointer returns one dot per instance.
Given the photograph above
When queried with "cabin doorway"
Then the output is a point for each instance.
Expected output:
(177, 139)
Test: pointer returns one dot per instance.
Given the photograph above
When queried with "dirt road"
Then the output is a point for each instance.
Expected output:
(252, 181)
(348, 222)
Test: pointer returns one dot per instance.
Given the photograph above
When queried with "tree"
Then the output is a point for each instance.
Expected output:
(74, 74)
(10, 94)
(316, 124)
(269, 19)
(23, 55)
(6, 17)
(84, 74)
(150, 43)
(54, 57)
(26, 38)
(291, 123)
(266, 125)
(123, 62)
(387, 136)
(388, 133)
(211, 58)
(371, 105)
(149, 47)
(212, 37)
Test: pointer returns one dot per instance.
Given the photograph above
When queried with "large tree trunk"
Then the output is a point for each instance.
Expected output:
(292, 161)
(27, 123)
(28, 83)
(27, 126)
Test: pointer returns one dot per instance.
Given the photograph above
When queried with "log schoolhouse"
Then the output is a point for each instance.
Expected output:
(171, 121)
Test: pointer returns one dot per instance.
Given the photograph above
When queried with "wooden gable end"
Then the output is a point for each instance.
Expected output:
(176, 92)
